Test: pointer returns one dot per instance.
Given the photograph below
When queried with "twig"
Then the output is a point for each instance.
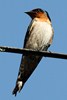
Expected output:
(27, 51)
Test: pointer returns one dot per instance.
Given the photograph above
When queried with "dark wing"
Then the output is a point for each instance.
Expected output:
(27, 34)
(26, 38)
(27, 66)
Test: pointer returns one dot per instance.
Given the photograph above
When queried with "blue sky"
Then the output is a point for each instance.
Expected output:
(49, 80)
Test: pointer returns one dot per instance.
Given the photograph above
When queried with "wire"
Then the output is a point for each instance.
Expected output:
(33, 52)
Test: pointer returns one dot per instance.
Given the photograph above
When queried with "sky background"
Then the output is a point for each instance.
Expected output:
(49, 80)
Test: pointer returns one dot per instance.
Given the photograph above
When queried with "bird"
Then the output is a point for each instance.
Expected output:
(39, 37)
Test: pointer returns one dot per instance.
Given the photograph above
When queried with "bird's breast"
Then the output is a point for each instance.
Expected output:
(40, 35)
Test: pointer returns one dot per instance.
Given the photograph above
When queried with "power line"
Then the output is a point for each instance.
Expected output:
(33, 52)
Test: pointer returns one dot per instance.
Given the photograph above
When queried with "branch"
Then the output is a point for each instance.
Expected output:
(27, 51)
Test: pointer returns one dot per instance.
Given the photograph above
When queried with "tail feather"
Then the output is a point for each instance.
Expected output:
(27, 66)
(17, 88)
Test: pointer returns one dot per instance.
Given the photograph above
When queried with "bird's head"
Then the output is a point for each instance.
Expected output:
(38, 13)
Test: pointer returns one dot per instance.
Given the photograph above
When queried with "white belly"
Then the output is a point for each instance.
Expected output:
(40, 35)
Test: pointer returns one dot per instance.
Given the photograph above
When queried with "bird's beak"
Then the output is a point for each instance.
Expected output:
(28, 12)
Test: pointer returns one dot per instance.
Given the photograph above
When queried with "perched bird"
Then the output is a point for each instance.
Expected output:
(38, 37)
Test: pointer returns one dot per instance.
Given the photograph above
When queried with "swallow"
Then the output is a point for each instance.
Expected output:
(38, 37)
